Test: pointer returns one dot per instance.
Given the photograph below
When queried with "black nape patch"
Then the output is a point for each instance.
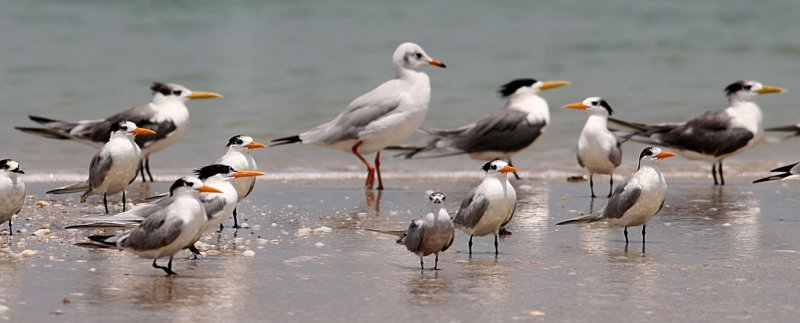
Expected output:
(4, 163)
(178, 184)
(235, 140)
(734, 87)
(213, 169)
(161, 88)
(511, 87)
(649, 151)
(117, 126)
(604, 104)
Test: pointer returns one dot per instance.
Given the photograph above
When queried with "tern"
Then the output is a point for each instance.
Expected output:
(166, 115)
(431, 234)
(12, 191)
(490, 205)
(714, 135)
(113, 167)
(784, 172)
(499, 135)
(170, 225)
(637, 200)
(599, 151)
(239, 156)
(384, 116)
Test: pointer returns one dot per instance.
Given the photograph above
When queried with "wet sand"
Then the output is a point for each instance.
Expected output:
(712, 254)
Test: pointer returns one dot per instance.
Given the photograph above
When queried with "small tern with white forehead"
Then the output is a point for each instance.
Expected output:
(714, 135)
(12, 191)
(239, 156)
(113, 167)
(490, 205)
(599, 151)
(637, 200)
(170, 225)
(499, 135)
(791, 171)
(166, 115)
(384, 116)
(431, 234)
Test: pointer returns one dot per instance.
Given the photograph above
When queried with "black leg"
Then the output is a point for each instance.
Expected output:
(141, 170)
(470, 245)
(643, 232)
(195, 253)
(714, 173)
(626, 235)
(721, 177)
(610, 184)
(436, 263)
(495, 246)
(147, 168)
(123, 201)
(515, 173)
(105, 202)
(221, 227)
(235, 220)
(421, 264)
(167, 269)
(10, 230)
(591, 185)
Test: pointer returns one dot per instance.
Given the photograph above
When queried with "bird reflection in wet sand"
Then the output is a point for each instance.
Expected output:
(373, 201)
(428, 288)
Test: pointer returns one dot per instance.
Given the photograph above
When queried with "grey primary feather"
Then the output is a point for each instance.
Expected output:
(503, 130)
(72, 188)
(98, 169)
(615, 155)
(153, 233)
(625, 195)
(471, 210)
(213, 204)
(358, 115)
(413, 237)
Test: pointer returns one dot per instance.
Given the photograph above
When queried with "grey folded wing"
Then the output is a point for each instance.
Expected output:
(504, 130)
(99, 167)
(471, 210)
(624, 197)
(154, 232)
(414, 236)
(359, 114)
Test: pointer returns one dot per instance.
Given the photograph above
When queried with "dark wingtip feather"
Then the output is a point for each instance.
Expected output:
(101, 239)
(771, 178)
(783, 169)
(285, 141)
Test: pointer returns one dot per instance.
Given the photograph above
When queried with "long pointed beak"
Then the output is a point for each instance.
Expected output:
(665, 154)
(576, 105)
(247, 173)
(143, 131)
(508, 169)
(437, 63)
(256, 144)
(199, 95)
(771, 89)
(207, 189)
(553, 84)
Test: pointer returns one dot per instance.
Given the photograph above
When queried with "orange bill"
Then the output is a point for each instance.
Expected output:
(208, 189)
(143, 131)
(576, 105)
(508, 169)
(438, 63)
(665, 154)
(256, 144)
(247, 173)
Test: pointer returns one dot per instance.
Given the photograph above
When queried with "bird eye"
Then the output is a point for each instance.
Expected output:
(494, 166)
(419, 55)
(177, 92)
(748, 87)
(595, 103)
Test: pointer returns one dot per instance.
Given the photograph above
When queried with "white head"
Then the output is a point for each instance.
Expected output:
(171, 92)
(411, 56)
(652, 156)
(522, 87)
(10, 168)
(498, 168)
(190, 185)
(749, 90)
(594, 105)
(437, 199)
(243, 143)
(129, 129)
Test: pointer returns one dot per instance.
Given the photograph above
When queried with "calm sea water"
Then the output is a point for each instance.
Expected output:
(287, 66)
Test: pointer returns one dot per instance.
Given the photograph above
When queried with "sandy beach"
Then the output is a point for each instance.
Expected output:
(713, 253)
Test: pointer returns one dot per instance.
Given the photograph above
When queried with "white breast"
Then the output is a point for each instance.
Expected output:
(654, 191)
(594, 146)
(12, 196)
(125, 155)
(502, 198)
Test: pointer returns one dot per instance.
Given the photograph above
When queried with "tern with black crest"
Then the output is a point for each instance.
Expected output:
(714, 135)
(599, 151)
(636, 200)
(499, 135)
(239, 156)
(12, 191)
(384, 116)
(490, 205)
(113, 167)
(166, 114)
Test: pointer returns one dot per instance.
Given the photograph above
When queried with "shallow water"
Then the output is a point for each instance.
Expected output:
(286, 66)
(711, 254)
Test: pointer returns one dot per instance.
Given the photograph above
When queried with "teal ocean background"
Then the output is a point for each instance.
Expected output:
(286, 66)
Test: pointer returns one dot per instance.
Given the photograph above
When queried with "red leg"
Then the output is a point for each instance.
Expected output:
(370, 182)
(378, 169)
